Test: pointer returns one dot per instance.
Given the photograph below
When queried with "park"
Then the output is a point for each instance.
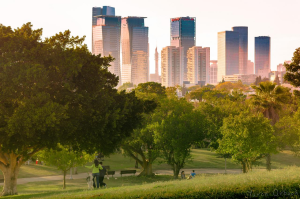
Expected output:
(59, 105)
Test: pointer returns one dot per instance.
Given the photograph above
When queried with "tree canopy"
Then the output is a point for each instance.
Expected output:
(55, 91)
(293, 69)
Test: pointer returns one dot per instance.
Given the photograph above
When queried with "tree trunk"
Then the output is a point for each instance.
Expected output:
(10, 174)
(176, 170)
(75, 170)
(64, 184)
(268, 162)
(245, 167)
(147, 169)
(225, 166)
(136, 162)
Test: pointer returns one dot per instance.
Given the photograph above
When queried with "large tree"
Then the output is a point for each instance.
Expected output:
(179, 130)
(55, 91)
(140, 145)
(293, 69)
(247, 136)
(269, 100)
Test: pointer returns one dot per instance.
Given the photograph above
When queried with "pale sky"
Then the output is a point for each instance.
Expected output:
(279, 19)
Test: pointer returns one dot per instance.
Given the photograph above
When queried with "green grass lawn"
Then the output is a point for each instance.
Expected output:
(202, 158)
(280, 182)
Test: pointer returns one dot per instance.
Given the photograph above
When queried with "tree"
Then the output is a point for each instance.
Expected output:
(257, 80)
(293, 69)
(269, 100)
(247, 136)
(140, 145)
(55, 91)
(197, 94)
(178, 131)
(228, 86)
(277, 81)
(64, 158)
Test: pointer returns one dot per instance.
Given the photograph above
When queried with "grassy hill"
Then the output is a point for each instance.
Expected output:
(282, 183)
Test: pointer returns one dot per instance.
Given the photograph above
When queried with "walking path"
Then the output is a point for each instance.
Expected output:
(158, 172)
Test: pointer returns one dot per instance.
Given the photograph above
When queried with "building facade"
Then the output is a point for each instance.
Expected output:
(250, 68)
(198, 64)
(243, 47)
(213, 72)
(106, 10)
(107, 39)
(262, 56)
(172, 66)
(135, 50)
(228, 54)
(183, 34)
(245, 79)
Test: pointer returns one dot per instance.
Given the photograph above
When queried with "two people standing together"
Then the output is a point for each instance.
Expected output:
(98, 173)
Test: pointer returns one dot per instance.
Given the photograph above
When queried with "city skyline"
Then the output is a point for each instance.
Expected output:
(217, 16)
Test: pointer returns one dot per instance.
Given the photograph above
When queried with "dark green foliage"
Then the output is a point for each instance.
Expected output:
(293, 69)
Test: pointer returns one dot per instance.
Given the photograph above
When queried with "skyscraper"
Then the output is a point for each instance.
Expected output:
(213, 72)
(228, 53)
(135, 50)
(171, 66)
(250, 68)
(198, 65)
(106, 40)
(155, 77)
(262, 56)
(106, 10)
(243, 47)
(183, 34)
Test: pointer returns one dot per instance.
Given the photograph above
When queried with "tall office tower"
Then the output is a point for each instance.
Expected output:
(228, 53)
(155, 77)
(198, 65)
(106, 40)
(250, 68)
(213, 72)
(183, 34)
(262, 56)
(172, 66)
(281, 67)
(135, 50)
(106, 10)
(243, 48)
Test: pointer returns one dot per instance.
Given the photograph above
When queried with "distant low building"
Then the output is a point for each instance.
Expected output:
(246, 79)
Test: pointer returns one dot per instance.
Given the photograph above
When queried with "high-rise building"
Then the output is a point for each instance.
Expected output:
(243, 48)
(155, 77)
(228, 53)
(183, 34)
(198, 65)
(213, 72)
(262, 56)
(281, 67)
(172, 66)
(106, 10)
(107, 40)
(135, 50)
(250, 68)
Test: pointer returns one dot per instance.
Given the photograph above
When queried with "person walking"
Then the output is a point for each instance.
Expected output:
(95, 172)
(102, 174)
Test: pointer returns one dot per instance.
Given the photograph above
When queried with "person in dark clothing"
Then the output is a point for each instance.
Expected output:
(102, 174)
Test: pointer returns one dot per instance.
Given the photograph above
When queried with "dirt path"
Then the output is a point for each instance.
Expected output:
(158, 172)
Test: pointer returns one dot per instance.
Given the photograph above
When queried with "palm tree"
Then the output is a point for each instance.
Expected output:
(269, 99)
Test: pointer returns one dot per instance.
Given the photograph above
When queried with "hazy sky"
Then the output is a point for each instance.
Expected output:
(279, 19)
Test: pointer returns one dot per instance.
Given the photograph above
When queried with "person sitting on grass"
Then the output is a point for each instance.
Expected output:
(95, 172)
(182, 175)
(193, 174)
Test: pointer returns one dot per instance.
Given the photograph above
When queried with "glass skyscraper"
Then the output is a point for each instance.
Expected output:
(106, 10)
(183, 34)
(262, 56)
(135, 50)
(243, 47)
(106, 36)
(228, 53)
